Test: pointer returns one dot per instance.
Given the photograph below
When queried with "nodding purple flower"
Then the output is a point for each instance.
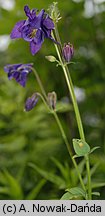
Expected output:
(19, 72)
(68, 52)
(31, 102)
(35, 29)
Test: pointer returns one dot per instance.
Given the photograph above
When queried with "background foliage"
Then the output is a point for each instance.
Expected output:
(34, 162)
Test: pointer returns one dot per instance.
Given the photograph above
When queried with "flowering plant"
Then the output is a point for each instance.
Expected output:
(35, 29)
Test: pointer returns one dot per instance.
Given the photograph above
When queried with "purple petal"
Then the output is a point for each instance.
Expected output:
(20, 77)
(10, 75)
(16, 75)
(48, 23)
(35, 47)
(30, 14)
(12, 67)
(27, 11)
(31, 102)
(23, 79)
(37, 22)
(39, 38)
(26, 32)
(16, 32)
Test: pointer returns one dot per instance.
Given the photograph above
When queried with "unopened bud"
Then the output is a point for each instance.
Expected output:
(31, 102)
(52, 98)
(50, 58)
(68, 52)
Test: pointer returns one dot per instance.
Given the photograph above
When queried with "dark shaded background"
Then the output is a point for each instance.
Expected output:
(34, 136)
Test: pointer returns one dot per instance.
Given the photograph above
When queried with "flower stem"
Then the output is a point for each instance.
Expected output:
(75, 105)
(40, 83)
(60, 127)
(69, 149)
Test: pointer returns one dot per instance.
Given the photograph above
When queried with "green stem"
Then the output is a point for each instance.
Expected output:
(40, 83)
(69, 149)
(89, 177)
(75, 105)
(60, 127)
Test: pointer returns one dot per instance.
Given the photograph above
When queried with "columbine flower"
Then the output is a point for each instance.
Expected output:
(19, 72)
(68, 52)
(31, 102)
(34, 29)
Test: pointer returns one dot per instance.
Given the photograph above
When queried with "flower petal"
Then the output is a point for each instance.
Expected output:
(35, 47)
(26, 32)
(39, 38)
(30, 14)
(37, 22)
(31, 102)
(12, 67)
(48, 23)
(23, 79)
(10, 75)
(16, 32)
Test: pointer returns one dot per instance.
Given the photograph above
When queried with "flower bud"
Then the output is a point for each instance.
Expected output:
(68, 52)
(31, 102)
(52, 98)
(50, 58)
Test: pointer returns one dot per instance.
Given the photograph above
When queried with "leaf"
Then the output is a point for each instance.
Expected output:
(76, 156)
(92, 171)
(67, 196)
(94, 148)
(14, 189)
(98, 185)
(96, 193)
(33, 194)
(16, 145)
(60, 167)
(4, 190)
(81, 147)
(77, 191)
(49, 176)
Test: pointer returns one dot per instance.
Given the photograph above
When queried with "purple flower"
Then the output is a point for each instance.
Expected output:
(35, 29)
(31, 102)
(19, 72)
(68, 52)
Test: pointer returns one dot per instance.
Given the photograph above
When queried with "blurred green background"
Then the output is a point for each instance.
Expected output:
(34, 137)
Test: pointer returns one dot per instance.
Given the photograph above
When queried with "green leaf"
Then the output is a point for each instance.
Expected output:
(81, 147)
(96, 193)
(33, 194)
(98, 185)
(76, 156)
(50, 176)
(77, 191)
(12, 186)
(16, 145)
(60, 167)
(67, 196)
(94, 148)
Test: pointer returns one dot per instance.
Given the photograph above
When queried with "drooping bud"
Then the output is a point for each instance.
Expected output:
(31, 102)
(50, 58)
(52, 98)
(68, 52)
